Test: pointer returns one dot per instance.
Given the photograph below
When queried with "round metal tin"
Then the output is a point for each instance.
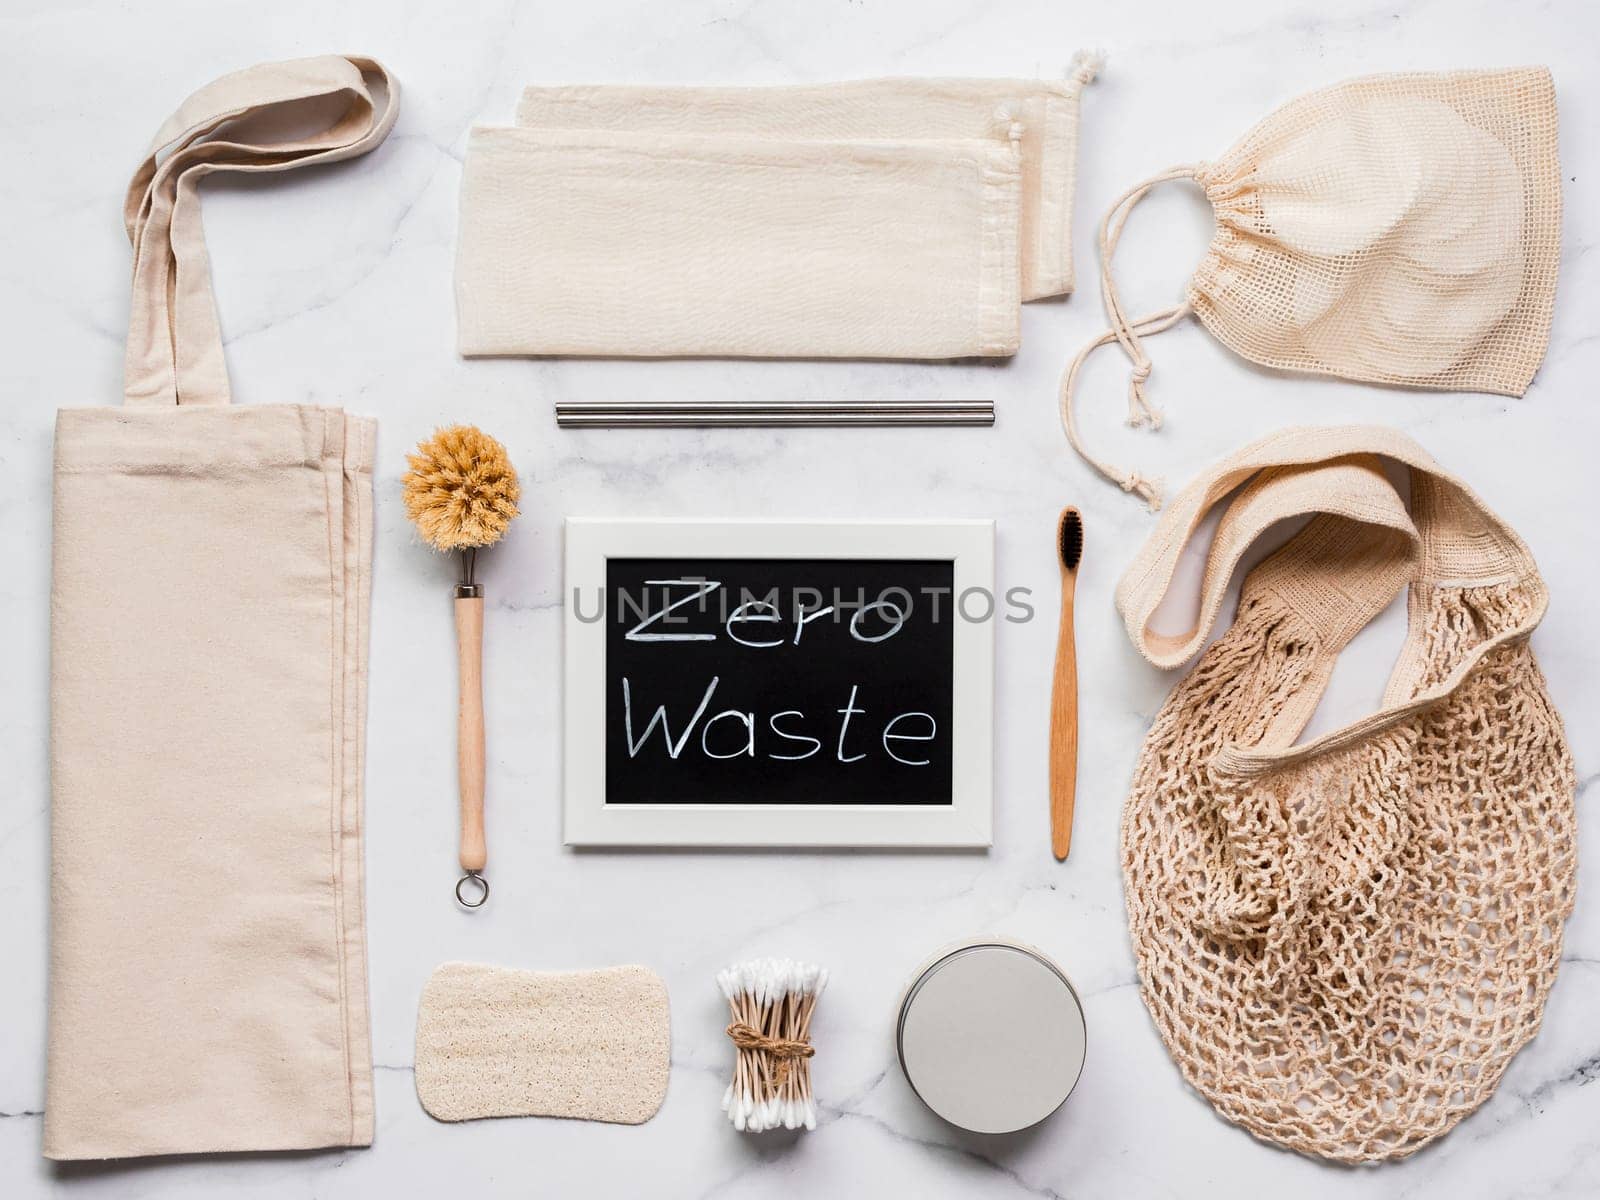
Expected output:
(991, 1036)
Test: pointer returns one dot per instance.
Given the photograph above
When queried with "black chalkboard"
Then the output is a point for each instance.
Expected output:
(779, 681)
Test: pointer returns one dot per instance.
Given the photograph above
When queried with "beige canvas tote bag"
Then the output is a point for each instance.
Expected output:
(1343, 941)
(1395, 229)
(209, 602)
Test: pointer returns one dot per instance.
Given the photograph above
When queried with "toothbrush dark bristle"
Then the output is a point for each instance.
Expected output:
(1071, 539)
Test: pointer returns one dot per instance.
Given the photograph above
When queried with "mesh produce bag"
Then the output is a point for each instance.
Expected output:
(1398, 229)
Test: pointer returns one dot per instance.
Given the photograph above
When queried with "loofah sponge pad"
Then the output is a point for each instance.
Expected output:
(495, 1042)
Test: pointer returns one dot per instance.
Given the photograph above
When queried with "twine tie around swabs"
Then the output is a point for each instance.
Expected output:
(784, 1050)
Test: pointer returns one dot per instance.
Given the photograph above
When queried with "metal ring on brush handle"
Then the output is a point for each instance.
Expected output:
(483, 897)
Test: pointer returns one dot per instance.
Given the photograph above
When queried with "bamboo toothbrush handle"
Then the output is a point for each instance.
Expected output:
(469, 730)
(1064, 726)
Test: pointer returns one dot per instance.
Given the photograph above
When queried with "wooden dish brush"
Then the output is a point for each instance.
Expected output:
(462, 492)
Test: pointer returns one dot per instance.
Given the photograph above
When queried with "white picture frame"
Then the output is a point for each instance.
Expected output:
(588, 821)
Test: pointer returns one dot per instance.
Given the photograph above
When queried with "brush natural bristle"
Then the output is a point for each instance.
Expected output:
(1071, 539)
(461, 490)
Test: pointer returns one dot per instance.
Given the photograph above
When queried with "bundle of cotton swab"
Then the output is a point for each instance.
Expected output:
(771, 1000)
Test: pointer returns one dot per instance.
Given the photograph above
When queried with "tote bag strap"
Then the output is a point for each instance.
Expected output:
(1449, 537)
(250, 121)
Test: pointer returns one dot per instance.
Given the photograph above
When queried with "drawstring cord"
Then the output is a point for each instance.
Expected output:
(1130, 333)
(1130, 481)
(1139, 409)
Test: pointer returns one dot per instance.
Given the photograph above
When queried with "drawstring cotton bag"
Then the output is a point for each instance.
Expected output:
(210, 591)
(1397, 229)
(894, 218)
(1045, 112)
(1344, 941)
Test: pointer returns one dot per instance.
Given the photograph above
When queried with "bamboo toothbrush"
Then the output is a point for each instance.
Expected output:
(1064, 694)
(462, 493)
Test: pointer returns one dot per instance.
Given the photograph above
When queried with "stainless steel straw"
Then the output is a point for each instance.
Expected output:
(607, 414)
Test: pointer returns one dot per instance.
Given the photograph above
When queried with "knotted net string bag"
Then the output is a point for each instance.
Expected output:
(1395, 229)
(1343, 942)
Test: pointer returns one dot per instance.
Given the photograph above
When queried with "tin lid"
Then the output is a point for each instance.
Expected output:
(991, 1036)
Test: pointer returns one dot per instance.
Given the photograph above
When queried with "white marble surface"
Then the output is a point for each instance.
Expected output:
(335, 288)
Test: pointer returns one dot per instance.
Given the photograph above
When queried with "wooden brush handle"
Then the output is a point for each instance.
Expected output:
(469, 730)
(1064, 726)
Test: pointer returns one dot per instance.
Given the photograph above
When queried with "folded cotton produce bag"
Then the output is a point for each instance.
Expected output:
(890, 218)
(208, 694)
(1045, 112)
